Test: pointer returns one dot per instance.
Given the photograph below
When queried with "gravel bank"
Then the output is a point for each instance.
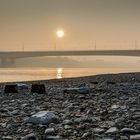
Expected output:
(111, 111)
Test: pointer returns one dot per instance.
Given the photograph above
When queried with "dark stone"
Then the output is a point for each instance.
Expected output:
(111, 83)
(65, 91)
(38, 88)
(95, 83)
(11, 89)
(129, 131)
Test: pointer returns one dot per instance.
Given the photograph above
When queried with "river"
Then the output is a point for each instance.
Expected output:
(29, 74)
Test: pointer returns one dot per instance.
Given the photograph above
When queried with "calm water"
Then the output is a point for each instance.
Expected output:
(28, 74)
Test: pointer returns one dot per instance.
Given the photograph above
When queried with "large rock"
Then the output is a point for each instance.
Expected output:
(43, 117)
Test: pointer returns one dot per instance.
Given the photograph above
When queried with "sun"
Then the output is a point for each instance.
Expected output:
(60, 33)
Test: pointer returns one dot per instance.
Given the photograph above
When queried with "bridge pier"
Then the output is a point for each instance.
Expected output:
(7, 62)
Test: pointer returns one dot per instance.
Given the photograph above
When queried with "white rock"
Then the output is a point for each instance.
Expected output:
(43, 117)
(115, 106)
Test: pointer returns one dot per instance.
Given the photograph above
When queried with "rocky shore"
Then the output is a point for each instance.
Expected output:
(110, 111)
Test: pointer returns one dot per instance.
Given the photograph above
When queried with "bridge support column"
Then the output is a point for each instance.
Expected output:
(8, 62)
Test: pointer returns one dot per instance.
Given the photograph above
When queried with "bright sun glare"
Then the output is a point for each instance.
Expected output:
(60, 33)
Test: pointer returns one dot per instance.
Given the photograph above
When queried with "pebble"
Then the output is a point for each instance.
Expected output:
(86, 135)
(135, 137)
(67, 127)
(112, 130)
(54, 138)
(68, 122)
(31, 136)
(7, 138)
(49, 131)
(99, 130)
(129, 131)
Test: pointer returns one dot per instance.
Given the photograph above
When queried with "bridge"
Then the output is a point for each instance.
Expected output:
(11, 56)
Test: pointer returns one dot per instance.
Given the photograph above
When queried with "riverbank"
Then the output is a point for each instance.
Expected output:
(109, 112)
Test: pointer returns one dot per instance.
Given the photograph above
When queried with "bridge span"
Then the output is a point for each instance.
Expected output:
(17, 54)
(9, 57)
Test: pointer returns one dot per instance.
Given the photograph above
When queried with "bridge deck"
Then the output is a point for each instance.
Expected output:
(16, 54)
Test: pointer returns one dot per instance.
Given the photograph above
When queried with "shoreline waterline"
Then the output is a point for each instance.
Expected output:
(97, 77)
(36, 74)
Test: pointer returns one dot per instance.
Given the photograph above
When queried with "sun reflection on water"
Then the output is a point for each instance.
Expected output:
(59, 73)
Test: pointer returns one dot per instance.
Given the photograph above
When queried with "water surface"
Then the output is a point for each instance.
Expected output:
(29, 74)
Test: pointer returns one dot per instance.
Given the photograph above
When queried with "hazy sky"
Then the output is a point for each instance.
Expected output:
(112, 23)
